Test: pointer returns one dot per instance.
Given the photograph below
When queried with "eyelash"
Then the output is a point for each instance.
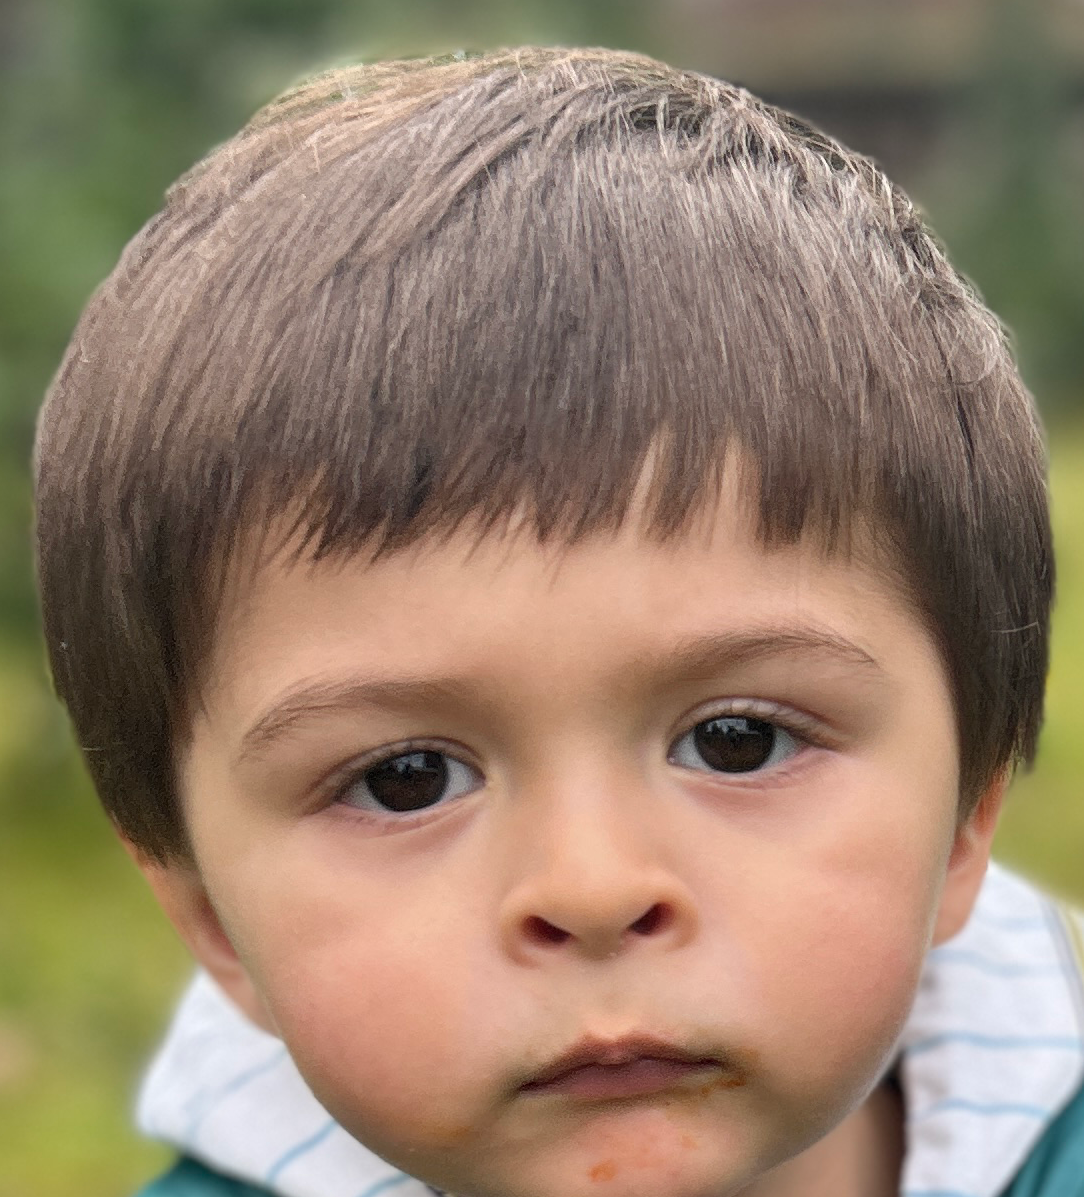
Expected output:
(343, 780)
(805, 730)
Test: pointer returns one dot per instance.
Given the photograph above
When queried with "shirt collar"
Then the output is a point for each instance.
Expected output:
(992, 1051)
(994, 1047)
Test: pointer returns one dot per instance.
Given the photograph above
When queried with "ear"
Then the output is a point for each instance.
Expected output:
(181, 893)
(968, 860)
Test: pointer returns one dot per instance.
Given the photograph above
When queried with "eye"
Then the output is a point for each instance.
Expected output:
(733, 744)
(409, 781)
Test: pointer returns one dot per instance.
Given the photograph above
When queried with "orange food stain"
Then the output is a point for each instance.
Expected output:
(452, 1135)
(606, 1170)
(735, 1077)
(728, 1081)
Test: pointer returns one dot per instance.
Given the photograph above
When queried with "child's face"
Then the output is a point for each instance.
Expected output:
(685, 811)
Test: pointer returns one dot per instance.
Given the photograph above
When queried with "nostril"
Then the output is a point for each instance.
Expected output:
(540, 931)
(651, 921)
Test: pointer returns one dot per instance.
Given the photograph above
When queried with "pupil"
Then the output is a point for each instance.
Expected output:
(734, 743)
(412, 781)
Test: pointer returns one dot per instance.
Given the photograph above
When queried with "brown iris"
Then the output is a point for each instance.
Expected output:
(409, 782)
(734, 743)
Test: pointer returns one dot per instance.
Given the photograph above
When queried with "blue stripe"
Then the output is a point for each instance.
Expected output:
(389, 1182)
(999, 1043)
(212, 1100)
(299, 1149)
(936, 1193)
(987, 1110)
(1011, 922)
(995, 967)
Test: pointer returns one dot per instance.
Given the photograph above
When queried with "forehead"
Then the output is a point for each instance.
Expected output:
(504, 604)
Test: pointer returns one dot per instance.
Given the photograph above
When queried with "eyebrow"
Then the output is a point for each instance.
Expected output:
(697, 655)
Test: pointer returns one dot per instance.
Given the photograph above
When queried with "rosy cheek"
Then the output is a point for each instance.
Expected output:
(851, 998)
(387, 1047)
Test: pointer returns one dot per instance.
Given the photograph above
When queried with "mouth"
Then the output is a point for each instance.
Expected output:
(633, 1067)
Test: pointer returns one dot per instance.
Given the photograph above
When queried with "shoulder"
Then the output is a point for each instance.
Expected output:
(1056, 1167)
(189, 1178)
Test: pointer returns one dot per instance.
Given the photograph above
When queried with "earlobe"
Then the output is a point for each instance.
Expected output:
(968, 860)
(182, 895)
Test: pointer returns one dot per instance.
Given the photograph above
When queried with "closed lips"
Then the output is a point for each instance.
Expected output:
(624, 1060)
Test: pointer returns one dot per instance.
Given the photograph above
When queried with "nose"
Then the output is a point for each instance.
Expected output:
(592, 887)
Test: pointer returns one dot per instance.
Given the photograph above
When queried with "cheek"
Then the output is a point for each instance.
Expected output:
(854, 989)
(856, 941)
(388, 1025)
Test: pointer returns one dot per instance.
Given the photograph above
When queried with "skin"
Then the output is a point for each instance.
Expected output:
(589, 877)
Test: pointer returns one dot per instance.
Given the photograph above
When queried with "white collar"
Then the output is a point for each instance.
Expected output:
(994, 1047)
(992, 1051)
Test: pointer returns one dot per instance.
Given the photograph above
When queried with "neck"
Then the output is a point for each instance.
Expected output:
(862, 1157)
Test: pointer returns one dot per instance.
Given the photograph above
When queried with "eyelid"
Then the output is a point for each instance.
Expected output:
(807, 729)
(340, 778)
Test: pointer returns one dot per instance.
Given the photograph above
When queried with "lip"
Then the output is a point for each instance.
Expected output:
(634, 1066)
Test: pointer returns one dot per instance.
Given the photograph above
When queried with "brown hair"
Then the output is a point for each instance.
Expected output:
(414, 293)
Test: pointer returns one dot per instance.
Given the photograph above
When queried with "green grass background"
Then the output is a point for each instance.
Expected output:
(1042, 828)
(91, 969)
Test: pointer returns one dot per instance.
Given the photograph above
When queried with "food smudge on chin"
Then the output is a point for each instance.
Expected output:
(604, 1170)
(734, 1075)
(452, 1134)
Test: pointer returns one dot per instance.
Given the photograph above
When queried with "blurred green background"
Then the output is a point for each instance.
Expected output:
(976, 106)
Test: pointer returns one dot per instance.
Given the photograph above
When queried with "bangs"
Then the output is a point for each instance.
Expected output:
(534, 340)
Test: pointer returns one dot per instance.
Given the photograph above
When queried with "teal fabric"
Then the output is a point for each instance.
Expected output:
(191, 1179)
(1056, 1167)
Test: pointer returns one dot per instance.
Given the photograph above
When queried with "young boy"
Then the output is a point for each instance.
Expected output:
(550, 569)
